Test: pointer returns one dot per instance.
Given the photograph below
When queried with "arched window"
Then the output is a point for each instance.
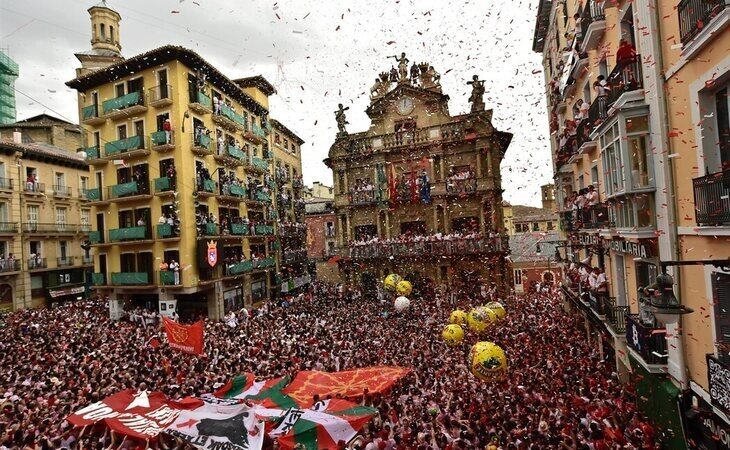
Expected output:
(103, 31)
(111, 34)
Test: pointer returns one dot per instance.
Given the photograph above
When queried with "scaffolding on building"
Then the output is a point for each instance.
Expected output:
(8, 74)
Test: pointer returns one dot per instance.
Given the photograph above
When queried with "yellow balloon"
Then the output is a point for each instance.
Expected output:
(498, 309)
(404, 287)
(391, 281)
(488, 362)
(480, 318)
(458, 317)
(453, 334)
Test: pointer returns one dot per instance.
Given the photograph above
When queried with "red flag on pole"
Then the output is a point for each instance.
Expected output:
(186, 338)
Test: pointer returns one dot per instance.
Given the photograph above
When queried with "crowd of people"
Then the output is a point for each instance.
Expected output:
(559, 394)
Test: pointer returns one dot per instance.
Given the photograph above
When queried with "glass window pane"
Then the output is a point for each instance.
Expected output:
(639, 161)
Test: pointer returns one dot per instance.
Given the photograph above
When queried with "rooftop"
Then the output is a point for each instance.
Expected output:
(523, 247)
(42, 121)
(257, 81)
(161, 55)
(44, 151)
(279, 126)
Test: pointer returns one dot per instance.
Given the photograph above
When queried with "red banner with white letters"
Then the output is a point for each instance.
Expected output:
(137, 414)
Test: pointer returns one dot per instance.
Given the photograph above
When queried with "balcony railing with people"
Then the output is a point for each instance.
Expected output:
(648, 341)
(9, 265)
(364, 196)
(458, 186)
(34, 187)
(292, 229)
(293, 256)
(169, 277)
(36, 262)
(447, 246)
(626, 77)
(712, 198)
(696, 15)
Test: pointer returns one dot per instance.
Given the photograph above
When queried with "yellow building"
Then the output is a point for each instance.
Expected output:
(292, 228)
(527, 219)
(182, 177)
(637, 97)
(319, 191)
(420, 174)
(44, 214)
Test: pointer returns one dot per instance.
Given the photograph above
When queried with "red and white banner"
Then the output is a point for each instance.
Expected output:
(140, 415)
(186, 338)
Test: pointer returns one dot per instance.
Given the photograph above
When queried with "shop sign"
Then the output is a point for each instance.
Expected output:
(55, 293)
(638, 249)
(589, 239)
(705, 429)
(719, 381)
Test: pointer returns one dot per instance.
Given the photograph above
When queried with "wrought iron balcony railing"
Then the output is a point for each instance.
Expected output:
(712, 198)
(649, 342)
(695, 15)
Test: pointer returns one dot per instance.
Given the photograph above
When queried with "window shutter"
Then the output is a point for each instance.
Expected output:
(721, 300)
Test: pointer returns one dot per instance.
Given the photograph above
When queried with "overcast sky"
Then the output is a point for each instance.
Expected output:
(317, 54)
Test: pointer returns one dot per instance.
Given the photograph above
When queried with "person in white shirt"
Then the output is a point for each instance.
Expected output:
(591, 196)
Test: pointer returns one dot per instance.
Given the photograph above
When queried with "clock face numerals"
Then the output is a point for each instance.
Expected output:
(405, 106)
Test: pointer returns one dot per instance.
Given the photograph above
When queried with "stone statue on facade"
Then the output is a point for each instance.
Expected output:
(402, 67)
(381, 86)
(428, 77)
(477, 94)
(393, 75)
(341, 119)
(414, 74)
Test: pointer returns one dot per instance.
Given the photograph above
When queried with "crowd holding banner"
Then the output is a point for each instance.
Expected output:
(62, 366)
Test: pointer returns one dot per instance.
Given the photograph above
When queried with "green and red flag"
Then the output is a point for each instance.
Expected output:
(318, 428)
(267, 393)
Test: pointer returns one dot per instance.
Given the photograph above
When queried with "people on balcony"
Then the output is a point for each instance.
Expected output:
(35, 261)
(226, 181)
(202, 174)
(626, 52)
(167, 128)
(463, 180)
(200, 130)
(601, 87)
(7, 264)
